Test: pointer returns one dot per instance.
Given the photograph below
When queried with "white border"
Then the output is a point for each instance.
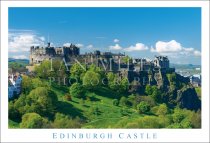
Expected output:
(163, 135)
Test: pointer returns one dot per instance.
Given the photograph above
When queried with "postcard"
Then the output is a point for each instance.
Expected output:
(109, 71)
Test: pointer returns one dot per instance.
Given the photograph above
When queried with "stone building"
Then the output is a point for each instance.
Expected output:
(161, 62)
(39, 54)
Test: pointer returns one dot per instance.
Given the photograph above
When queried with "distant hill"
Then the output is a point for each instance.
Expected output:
(18, 64)
(18, 60)
(184, 66)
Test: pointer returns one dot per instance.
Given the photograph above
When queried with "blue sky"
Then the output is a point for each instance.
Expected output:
(139, 32)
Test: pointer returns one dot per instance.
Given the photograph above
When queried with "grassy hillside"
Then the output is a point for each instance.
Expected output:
(107, 114)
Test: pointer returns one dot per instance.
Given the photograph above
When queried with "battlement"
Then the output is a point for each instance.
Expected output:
(38, 54)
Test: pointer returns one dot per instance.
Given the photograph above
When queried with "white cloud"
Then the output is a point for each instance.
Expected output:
(173, 49)
(137, 47)
(197, 53)
(89, 46)
(79, 45)
(167, 47)
(21, 41)
(20, 57)
(116, 40)
(115, 47)
(67, 44)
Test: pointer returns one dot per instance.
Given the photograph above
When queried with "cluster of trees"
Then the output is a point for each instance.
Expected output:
(163, 118)
(37, 107)
(93, 78)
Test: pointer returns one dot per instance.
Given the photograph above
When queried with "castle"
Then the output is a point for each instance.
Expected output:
(153, 70)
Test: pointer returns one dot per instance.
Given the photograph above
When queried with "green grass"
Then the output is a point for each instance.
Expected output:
(108, 115)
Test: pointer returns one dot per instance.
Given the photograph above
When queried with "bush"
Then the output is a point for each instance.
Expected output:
(162, 110)
(77, 90)
(115, 102)
(42, 101)
(33, 120)
(123, 101)
(64, 121)
(13, 112)
(143, 107)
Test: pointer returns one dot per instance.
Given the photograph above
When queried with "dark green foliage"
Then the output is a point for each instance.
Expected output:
(65, 121)
(34, 120)
(156, 95)
(143, 107)
(149, 89)
(77, 90)
(13, 112)
(20, 104)
(115, 102)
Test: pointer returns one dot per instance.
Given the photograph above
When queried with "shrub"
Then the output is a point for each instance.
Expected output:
(123, 101)
(115, 102)
(33, 120)
(162, 110)
(77, 90)
(143, 107)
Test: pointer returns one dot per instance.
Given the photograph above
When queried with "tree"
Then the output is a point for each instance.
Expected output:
(124, 84)
(178, 115)
(126, 59)
(91, 80)
(112, 81)
(33, 120)
(162, 110)
(13, 112)
(43, 70)
(148, 89)
(156, 95)
(20, 104)
(143, 107)
(42, 101)
(77, 71)
(77, 90)
(36, 82)
(26, 84)
(117, 84)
